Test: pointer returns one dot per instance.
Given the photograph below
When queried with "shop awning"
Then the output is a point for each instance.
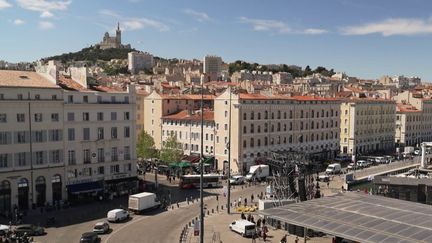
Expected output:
(93, 186)
(113, 181)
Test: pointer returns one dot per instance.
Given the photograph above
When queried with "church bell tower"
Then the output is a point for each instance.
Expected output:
(118, 35)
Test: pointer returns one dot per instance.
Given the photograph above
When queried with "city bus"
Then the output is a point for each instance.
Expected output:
(193, 181)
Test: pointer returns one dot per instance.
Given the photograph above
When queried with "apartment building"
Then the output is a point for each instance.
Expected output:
(156, 106)
(367, 126)
(261, 124)
(50, 141)
(212, 66)
(139, 61)
(186, 127)
(413, 119)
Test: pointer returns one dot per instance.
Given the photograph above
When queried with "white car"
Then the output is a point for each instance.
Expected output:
(101, 228)
(351, 166)
(362, 164)
(237, 180)
(117, 215)
(4, 229)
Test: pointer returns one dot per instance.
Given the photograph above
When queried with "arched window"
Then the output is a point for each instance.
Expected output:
(266, 115)
(285, 127)
(285, 115)
(259, 129)
(40, 180)
(252, 115)
(252, 129)
(279, 115)
(312, 125)
(259, 115)
(244, 116)
(300, 139)
(290, 139)
(265, 141)
(244, 144)
(244, 130)
(251, 142)
(291, 115)
(259, 142)
(278, 127)
(272, 128)
(272, 116)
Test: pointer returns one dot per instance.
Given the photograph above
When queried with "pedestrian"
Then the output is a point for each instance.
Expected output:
(264, 232)
(253, 238)
(296, 239)
(252, 198)
(328, 184)
(249, 217)
(252, 220)
(245, 201)
(242, 216)
(263, 221)
(258, 223)
(284, 239)
(239, 201)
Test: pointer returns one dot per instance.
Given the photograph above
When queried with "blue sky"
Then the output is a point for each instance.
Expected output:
(365, 38)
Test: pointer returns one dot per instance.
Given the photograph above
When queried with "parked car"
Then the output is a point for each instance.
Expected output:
(4, 229)
(90, 237)
(362, 164)
(243, 227)
(380, 160)
(237, 180)
(101, 228)
(324, 178)
(117, 215)
(351, 166)
(333, 169)
(30, 229)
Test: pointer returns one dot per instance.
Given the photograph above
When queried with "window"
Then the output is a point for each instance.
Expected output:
(113, 116)
(113, 132)
(70, 99)
(244, 130)
(20, 159)
(20, 117)
(87, 171)
(71, 116)
(85, 99)
(101, 170)
(20, 96)
(3, 118)
(100, 133)
(126, 116)
(20, 137)
(126, 99)
(54, 97)
(113, 99)
(5, 138)
(37, 97)
(266, 115)
(55, 156)
(55, 135)
(101, 155)
(86, 133)
(226, 113)
(252, 115)
(226, 127)
(54, 117)
(100, 116)
(251, 142)
(99, 99)
(86, 116)
(71, 134)
(114, 169)
(126, 132)
(71, 157)
(39, 157)
(38, 117)
(86, 154)
(114, 155)
(126, 153)
(3, 160)
(38, 136)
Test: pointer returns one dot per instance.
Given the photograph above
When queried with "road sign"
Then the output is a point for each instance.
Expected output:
(197, 228)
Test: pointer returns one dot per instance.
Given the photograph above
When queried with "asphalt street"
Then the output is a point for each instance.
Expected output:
(158, 226)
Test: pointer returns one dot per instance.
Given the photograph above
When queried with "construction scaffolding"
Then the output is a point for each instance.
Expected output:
(293, 177)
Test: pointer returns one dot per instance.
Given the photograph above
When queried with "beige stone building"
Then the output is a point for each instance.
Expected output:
(367, 126)
(58, 144)
(413, 120)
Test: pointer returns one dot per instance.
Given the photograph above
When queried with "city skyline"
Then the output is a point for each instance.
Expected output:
(366, 39)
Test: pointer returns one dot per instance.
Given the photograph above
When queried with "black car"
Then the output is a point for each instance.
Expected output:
(89, 237)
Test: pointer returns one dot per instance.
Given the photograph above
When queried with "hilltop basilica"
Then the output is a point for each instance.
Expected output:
(112, 42)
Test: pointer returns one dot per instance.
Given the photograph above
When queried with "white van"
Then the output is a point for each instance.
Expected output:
(117, 215)
(243, 227)
(333, 169)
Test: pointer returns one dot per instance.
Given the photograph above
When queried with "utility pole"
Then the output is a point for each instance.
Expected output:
(229, 156)
(202, 166)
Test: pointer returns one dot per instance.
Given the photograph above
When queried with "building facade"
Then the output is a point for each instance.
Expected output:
(139, 61)
(367, 126)
(49, 141)
(212, 67)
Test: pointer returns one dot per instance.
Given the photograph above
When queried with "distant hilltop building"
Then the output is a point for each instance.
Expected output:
(112, 41)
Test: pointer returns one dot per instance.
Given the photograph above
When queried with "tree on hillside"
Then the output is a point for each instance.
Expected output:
(146, 146)
(307, 71)
(171, 151)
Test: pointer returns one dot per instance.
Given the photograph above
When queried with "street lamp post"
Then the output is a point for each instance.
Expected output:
(202, 166)
(229, 157)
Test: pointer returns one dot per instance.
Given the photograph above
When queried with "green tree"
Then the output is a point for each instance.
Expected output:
(171, 151)
(146, 146)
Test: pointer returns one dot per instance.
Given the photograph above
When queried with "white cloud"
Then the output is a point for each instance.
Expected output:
(18, 22)
(44, 6)
(46, 14)
(108, 12)
(142, 23)
(4, 4)
(45, 25)
(267, 25)
(198, 16)
(393, 26)
(277, 26)
(315, 31)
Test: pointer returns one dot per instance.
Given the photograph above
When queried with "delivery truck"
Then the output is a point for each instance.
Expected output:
(258, 172)
(143, 201)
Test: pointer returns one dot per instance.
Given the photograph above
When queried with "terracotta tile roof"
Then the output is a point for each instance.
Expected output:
(312, 98)
(24, 79)
(402, 108)
(108, 89)
(67, 83)
(245, 96)
(187, 97)
(186, 115)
